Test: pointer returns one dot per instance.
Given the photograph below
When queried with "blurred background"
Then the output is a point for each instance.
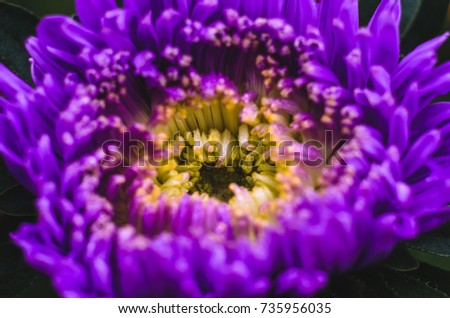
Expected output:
(44, 7)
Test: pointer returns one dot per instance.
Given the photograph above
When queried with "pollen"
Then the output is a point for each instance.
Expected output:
(229, 148)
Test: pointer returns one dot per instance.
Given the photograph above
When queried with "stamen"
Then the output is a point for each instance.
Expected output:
(236, 150)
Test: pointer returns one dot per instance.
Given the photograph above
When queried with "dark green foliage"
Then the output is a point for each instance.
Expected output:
(16, 25)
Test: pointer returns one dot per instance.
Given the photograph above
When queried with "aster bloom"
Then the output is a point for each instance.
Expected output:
(217, 148)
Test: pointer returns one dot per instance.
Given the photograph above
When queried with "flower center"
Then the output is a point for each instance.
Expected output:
(216, 182)
(236, 158)
(214, 153)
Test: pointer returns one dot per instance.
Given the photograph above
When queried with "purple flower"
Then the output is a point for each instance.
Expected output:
(224, 147)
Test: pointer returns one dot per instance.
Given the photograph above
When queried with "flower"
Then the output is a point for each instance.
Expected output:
(192, 148)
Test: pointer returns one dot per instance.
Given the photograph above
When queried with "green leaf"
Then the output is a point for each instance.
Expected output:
(6, 179)
(17, 201)
(47, 7)
(379, 282)
(435, 277)
(442, 262)
(401, 260)
(10, 259)
(14, 199)
(17, 279)
(442, 231)
(410, 9)
(16, 25)
(428, 23)
(39, 287)
(407, 285)
(401, 275)
(357, 284)
(438, 246)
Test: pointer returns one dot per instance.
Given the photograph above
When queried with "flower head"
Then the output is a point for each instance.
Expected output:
(224, 147)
